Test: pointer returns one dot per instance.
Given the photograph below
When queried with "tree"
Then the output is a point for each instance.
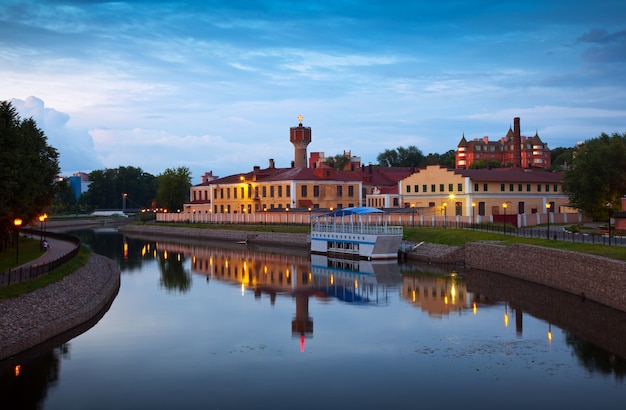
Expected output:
(597, 176)
(110, 188)
(402, 157)
(174, 187)
(485, 163)
(338, 162)
(28, 171)
(561, 158)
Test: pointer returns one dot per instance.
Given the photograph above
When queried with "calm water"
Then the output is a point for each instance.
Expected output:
(230, 326)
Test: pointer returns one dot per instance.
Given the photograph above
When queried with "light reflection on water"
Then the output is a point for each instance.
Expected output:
(231, 326)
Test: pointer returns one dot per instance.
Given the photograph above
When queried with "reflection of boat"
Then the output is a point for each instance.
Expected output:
(355, 233)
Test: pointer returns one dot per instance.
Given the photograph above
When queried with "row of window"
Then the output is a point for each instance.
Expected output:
(433, 188)
(272, 191)
(459, 187)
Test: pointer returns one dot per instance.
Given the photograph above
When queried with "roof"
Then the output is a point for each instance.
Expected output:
(361, 210)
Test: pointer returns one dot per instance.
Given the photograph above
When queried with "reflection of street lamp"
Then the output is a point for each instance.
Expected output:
(548, 214)
(504, 205)
(17, 222)
(445, 214)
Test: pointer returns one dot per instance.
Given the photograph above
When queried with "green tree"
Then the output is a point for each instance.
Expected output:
(339, 161)
(561, 158)
(597, 176)
(485, 163)
(448, 159)
(402, 157)
(29, 167)
(174, 187)
(111, 188)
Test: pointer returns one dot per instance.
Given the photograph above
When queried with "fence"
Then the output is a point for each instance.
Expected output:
(31, 271)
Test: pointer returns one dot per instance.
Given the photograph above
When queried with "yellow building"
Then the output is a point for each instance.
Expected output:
(276, 188)
(476, 193)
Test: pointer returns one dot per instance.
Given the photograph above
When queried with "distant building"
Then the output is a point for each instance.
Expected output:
(79, 182)
(511, 151)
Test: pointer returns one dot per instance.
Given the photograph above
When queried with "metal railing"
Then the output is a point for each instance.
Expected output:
(34, 270)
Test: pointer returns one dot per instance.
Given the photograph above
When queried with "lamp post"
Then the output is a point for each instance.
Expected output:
(287, 216)
(445, 215)
(473, 212)
(504, 206)
(548, 215)
(41, 219)
(413, 219)
(17, 222)
(609, 206)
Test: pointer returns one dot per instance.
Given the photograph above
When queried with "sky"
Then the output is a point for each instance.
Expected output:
(216, 85)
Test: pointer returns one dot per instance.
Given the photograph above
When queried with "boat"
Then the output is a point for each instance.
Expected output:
(355, 233)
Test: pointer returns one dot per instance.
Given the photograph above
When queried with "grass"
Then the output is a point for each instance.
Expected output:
(29, 249)
(449, 236)
(56, 275)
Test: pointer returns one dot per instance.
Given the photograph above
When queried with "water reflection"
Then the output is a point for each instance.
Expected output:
(594, 334)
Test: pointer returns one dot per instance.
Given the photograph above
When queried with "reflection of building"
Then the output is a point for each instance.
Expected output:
(437, 295)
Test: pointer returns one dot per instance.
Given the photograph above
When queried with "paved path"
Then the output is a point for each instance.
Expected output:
(57, 249)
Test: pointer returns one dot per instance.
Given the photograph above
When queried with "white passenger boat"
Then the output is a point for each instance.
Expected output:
(355, 233)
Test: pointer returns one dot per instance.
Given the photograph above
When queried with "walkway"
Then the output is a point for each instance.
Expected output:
(57, 249)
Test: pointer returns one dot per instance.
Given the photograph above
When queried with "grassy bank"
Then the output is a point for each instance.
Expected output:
(449, 236)
(45, 280)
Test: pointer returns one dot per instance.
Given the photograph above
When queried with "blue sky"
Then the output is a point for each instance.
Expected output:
(215, 85)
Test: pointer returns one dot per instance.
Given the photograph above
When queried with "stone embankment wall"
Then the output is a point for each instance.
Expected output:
(602, 280)
(272, 238)
(33, 318)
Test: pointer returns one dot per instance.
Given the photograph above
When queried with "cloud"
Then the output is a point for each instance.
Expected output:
(75, 146)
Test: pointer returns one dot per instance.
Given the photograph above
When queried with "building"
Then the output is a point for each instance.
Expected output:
(79, 182)
(474, 193)
(513, 150)
(272, 188)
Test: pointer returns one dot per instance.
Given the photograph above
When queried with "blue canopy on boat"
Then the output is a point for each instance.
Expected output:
(361, 210)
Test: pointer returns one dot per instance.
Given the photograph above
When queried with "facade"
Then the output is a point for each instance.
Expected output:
(437, 191)
(272, 188)
(513, 150)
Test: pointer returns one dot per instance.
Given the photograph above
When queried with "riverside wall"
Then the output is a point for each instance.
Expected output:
(596, 278)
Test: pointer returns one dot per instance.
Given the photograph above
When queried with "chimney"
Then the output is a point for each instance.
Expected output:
(271, 163)
(516, 130)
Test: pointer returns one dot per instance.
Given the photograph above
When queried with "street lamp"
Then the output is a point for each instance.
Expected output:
(504, 206)
(548, 214)
(287, 215)
(17, 222)
(473, 211)
(413, 219)
(41, 219)
(609, 206)
(445, 214)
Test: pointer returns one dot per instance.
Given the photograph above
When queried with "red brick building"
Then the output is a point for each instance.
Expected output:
(511, 151)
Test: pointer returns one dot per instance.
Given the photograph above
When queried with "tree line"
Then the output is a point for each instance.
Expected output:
(595, 176)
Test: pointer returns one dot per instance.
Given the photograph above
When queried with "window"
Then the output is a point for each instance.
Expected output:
(432, 188)
(221, 193)
(440, 187)
(339, 191)
(475, 187)
(459, 187)
(287, 191)
(235, 193)
(215, 193)
(538, 187)
(556, 188)
(547, 187)
(256, 192)
(351, 191)
(485, 187)
(228, 193)
(194, 195)
(303, 191)
(280, 191)
(272, 191)
(316, 191)
(502, 187)
(424, 188)
(520, 207)
(481, 208)
(519, 187)
(264, 191)
(416, 188)
(510, 187)
(408, 189)
(527, 187)
(450, 187)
